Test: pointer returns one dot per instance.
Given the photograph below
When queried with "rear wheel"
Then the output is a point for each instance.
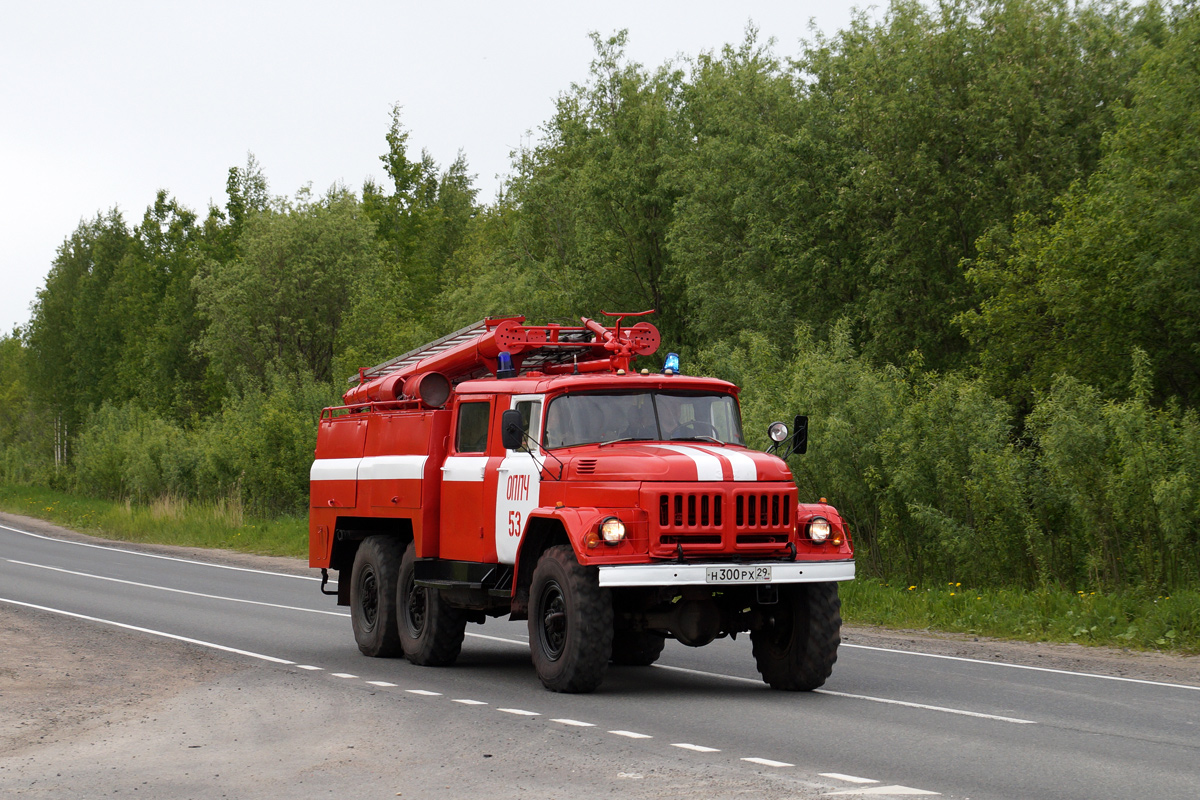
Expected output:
(570, 623)
(373, 596)
(796, 650)
(431, 632)
(637, 648)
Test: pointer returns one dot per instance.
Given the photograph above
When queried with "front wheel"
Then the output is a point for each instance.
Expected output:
(373, 596)
(431, 632)
(570, 623)
(796, 649)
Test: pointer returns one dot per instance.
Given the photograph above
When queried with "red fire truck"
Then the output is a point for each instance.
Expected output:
(531, 471)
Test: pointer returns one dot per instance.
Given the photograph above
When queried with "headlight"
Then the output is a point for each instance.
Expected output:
(819, 529)
(777, 432)
(612, 530)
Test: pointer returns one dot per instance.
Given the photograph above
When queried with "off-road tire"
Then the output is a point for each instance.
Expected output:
(797, 649)
(570, 623)
(637, 648)
(431, 632)
(373, 596)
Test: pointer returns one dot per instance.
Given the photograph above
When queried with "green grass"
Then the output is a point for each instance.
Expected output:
(1133, 620)
(169, 520)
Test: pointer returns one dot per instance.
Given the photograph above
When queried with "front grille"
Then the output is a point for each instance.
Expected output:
(680, 510)
(765, 510)
(719, 520)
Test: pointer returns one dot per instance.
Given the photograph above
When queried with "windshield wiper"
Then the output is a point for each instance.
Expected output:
(698, 439)
(625, 439)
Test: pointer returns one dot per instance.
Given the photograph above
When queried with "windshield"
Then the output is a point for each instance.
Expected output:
(590, 417)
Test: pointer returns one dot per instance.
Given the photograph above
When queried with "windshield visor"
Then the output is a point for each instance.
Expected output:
(592, 417)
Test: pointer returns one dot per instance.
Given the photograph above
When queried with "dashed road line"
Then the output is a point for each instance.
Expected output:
(890, 791)
(848, 778)
(874, 790)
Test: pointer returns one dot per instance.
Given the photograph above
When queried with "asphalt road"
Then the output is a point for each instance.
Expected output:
(887, 723)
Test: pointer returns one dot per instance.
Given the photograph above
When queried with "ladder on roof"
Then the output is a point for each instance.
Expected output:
(460, 336)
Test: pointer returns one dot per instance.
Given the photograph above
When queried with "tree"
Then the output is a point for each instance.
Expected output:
(281, 302)
(1115, 273)
(594, 203)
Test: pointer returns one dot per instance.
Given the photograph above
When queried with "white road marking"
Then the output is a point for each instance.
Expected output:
(887, 790)
(151, 631)
(575, 723)
(695, 747)
(165, 558)
(848, 778)
(959, 711)
(310, 667)
(497, 639)
(342, 675)
(466, 702)
(631, 735)
(857, 696)
(384, 684)
(1025, 666)
(766, 762)
(424, 692)
(176, 591)
(520, 712)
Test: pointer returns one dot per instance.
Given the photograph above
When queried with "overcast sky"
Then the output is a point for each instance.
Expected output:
(102, 104)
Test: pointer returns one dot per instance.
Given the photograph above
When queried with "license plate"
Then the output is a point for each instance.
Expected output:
(737, 574)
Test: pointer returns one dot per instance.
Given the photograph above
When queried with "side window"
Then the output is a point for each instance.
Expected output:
(531, 417)
(473, 421)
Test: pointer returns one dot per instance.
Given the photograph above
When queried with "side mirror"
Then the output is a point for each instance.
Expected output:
(800, 437)
(512, 430)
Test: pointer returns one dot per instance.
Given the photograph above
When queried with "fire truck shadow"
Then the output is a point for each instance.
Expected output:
(666, 682)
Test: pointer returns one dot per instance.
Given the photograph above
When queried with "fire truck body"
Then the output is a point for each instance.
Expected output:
(530, 472)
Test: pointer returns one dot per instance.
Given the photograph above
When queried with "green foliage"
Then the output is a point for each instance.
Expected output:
(280, 303)
(592, 204)
(1124, 476)
(1116, 271)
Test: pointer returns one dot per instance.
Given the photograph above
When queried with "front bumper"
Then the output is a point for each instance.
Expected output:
(693, 574)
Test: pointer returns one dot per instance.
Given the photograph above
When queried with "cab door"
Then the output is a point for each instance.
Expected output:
(518, 480)
(468, 510)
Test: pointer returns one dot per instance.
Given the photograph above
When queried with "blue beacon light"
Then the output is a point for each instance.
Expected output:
(504, 366)
(671, 367)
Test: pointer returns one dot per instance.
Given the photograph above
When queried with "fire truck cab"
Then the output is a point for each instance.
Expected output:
(531, 472)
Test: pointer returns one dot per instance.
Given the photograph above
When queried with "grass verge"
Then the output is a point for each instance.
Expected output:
(1133, 620)
(169, 520)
